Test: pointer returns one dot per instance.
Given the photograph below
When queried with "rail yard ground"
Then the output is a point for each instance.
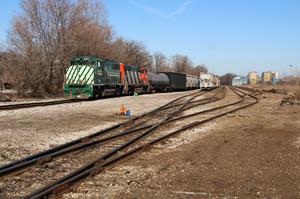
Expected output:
(26, 131)
(252, 153)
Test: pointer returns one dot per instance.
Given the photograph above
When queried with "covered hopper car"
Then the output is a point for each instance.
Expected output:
(192, 82)
(208, 81)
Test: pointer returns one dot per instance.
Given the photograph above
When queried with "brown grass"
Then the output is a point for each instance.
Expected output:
(284, 88)
(297, 90)
(291, 89)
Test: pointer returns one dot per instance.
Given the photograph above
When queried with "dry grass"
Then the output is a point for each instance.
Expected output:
(288, 89)
(297, 92)
(293, 89)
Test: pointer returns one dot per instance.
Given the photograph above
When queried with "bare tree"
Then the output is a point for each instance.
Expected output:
(136, 53)
(7, 73)
(159, 62)
(200, 68)
(181, 63)
(47, 33)
(227, 78)
(129, 52)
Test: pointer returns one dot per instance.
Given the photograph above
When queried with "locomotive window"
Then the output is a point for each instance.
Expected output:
(72, 63)
(86, 62)
(104, 69)
(115, 67)
(93, 63)
(78, 62)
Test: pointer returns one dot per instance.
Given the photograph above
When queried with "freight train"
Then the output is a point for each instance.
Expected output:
(94, 77)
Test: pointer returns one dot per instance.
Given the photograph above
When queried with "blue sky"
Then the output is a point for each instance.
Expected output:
(227, 35)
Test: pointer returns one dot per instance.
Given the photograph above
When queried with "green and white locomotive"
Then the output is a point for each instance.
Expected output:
(93, 77)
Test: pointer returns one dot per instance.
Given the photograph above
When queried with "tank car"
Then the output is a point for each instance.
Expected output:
(158, 82)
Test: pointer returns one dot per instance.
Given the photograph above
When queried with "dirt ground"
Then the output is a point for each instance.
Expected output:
(253, 153)
(27, 131)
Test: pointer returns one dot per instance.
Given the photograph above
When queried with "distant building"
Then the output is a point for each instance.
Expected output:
(239, 81)
(266, 77)
(269, 77)
(275, 77)
(252, 78)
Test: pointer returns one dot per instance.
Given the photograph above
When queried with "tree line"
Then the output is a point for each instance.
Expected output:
(46, 33)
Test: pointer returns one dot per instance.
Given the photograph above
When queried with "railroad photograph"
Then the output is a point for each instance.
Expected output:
(149, 99)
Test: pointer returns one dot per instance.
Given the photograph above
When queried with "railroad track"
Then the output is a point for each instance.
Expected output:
(35, 104)
(81, 142)
(132, 126)
(136, 137)
(110, 134)
(251, 90)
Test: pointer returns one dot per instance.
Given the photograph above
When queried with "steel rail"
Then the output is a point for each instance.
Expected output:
(71, 146)
(104, 161)
(84, 170)
(36, 104)
(87, 145)
(249, 89)
(193, 102)
(186, 127)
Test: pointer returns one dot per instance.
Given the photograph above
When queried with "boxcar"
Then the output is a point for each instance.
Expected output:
(177, 81)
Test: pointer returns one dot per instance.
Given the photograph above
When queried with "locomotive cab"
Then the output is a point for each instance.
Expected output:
(92, 77)
(79, 78)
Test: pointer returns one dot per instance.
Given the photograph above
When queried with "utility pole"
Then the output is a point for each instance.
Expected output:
(291, 70)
